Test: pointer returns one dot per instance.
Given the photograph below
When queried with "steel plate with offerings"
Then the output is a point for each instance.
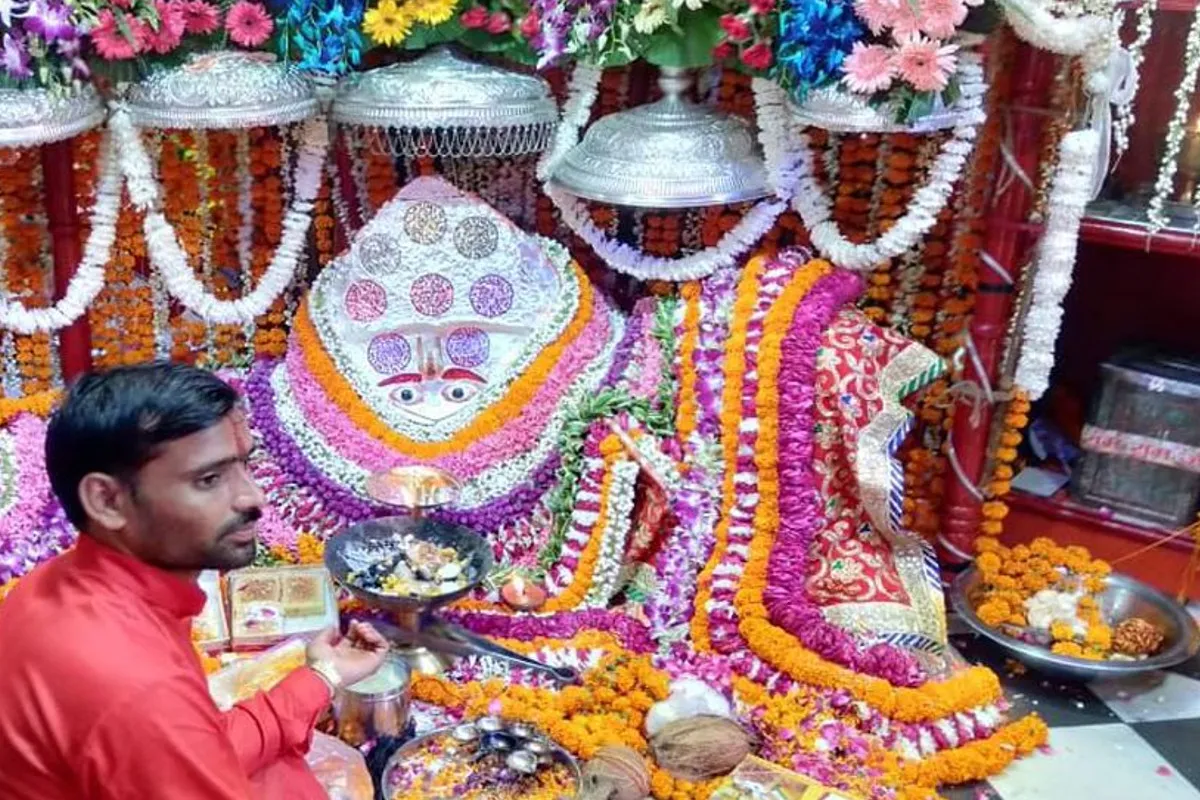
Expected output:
(488, 758)
(1123, 601)
(411, 567)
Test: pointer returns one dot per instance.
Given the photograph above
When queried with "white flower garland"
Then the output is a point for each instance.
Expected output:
(1137, 54)
(927, 203)
(782, 165)
(1056, 259)
(1176, 129)
(88, 279)
(169, 257)
(1090, 36)
(606, 575)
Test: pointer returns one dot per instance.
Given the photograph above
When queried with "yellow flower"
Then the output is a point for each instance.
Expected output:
(431, 12)
(387, 23)
(1067, 649)
(1100, 637)
(1062, 631)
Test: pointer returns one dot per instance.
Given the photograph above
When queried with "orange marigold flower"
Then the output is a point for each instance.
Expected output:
(1061, 631)
(1067, 649)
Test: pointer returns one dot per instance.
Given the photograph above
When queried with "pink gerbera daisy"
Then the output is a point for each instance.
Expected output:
(869, 68)
(906, 21)
(941, 18)
(249, 24)
(201, 17)
(924, 64)
(171, 25)
(111, 43)
(877, 14)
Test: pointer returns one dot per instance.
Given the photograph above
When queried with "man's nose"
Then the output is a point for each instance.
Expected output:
(250, 495)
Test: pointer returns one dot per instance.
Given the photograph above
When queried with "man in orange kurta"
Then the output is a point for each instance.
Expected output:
(102, 696)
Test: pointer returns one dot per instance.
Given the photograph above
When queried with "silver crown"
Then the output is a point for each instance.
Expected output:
(30, 117)
(446, 105)
(668, 154)
(223, 90)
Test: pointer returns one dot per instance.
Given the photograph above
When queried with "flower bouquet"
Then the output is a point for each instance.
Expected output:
(901, 55)
(41, 46)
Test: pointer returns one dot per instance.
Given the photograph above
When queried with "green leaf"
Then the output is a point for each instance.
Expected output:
(921, 106)
(691, 45)
(952, 92)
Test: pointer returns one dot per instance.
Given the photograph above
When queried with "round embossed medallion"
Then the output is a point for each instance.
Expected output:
(425, 223)
(379, 254)
(491, 296)
(389, 353)
(476, 237)
(432, 294)
(467, 347)
(366, 301)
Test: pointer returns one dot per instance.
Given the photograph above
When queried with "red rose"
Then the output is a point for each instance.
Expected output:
(735, 27)
(476, 17)
(757, 56)
(530, 25)
(722, 51)
(762, 6)
(500, 22)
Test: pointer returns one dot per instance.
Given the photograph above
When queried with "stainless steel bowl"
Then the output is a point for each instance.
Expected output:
(392, 780)
(377, 534)
(376, 706)
(1124, 598)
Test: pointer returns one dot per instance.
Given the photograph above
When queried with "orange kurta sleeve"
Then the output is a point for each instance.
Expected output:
(279, 722)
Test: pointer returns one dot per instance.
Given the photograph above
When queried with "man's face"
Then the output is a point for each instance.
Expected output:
(194, 506)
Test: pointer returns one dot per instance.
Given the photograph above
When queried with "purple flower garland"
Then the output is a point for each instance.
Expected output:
(800, 504)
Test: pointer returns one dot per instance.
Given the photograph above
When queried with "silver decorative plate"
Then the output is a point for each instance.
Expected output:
(31, 117)
(223, 90)
(832, 109)
(668, 154)
(441, 91)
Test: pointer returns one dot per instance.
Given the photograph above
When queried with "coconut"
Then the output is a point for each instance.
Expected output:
(700, 748)
(615, 773)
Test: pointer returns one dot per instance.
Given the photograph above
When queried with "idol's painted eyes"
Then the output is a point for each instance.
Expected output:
(408, 394)
(459, 392)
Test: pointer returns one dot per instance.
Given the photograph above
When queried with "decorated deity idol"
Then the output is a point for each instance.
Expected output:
(706, 483)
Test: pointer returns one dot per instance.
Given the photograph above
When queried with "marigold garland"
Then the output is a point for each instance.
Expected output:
(685, 422)
(968, 689)
(342, 393)
(39, 404)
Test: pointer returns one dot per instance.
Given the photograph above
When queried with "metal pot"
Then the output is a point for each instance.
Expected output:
(376, 706)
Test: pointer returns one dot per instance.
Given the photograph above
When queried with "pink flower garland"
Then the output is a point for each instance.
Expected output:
(800, 505)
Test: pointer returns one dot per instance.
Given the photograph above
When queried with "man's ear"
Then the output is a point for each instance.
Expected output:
(102, 497)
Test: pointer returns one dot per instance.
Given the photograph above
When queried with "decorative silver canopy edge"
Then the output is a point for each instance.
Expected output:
(668, 154)
(223, 90)
(422, 104)
(33, 117)
(455, 142)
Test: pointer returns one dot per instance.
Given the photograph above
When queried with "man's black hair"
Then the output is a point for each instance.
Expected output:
(115, 421)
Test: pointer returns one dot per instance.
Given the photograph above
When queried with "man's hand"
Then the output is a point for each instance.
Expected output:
(356, 656)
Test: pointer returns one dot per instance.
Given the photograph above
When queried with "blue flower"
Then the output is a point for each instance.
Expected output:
(815, 36)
